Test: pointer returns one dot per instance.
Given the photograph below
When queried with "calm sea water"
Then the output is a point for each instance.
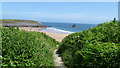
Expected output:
(66, 27)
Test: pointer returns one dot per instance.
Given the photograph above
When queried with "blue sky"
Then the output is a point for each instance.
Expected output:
(68, 12)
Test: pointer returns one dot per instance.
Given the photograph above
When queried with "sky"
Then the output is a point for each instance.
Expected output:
(60, 0)
(68, 12)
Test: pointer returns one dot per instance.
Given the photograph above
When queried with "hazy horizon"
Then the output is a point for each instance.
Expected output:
(68, 12)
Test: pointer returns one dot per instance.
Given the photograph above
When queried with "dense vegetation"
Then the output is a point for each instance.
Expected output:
(95, 48)
(22, 48)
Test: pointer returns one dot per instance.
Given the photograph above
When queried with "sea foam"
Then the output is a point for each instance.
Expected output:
(55, 30)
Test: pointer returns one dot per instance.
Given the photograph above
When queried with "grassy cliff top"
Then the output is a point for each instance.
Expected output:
(8, 21)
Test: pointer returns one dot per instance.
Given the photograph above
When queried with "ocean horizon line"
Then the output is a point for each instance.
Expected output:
(69, 22)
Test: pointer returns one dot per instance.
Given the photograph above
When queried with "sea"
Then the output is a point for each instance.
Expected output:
(66, 28)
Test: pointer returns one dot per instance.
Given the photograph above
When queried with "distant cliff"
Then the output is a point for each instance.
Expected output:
(20, 23)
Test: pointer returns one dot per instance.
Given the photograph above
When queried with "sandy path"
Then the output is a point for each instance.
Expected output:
(58, 60)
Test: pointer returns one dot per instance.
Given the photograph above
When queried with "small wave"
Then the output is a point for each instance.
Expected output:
(54, 30)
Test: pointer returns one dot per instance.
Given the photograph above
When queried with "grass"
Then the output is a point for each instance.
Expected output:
(17, 21)
(22, 48)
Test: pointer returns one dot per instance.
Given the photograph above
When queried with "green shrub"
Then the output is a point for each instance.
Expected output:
(22, 48)
(94, 55)
(78, 48)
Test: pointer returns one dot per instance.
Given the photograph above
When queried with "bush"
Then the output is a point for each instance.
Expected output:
(78, 49)
(94, 55)
(22, 48)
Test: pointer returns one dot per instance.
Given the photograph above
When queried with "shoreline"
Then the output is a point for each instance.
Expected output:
(57, 36)
(55, 30)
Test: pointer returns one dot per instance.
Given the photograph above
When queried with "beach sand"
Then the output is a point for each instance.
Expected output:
(57, 36)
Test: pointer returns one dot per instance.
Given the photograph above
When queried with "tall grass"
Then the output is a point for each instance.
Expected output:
(22, 48)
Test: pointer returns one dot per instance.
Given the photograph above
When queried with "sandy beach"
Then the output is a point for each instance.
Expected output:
(58, 36)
